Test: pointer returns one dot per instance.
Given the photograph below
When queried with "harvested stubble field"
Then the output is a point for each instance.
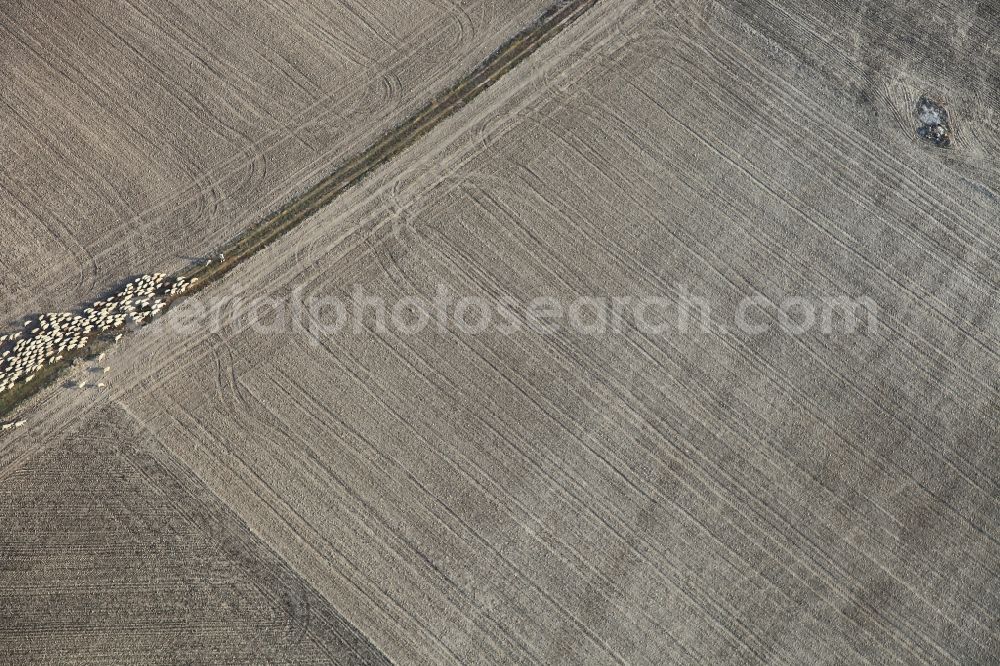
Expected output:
(457, 497)
(145, 134)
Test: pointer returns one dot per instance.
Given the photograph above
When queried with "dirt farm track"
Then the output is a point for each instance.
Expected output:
(634, 495)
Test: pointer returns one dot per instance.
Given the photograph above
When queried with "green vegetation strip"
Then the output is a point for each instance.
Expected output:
(392, 143)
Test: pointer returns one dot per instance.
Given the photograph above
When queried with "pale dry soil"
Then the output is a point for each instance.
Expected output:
(145, 134)
(621, 498)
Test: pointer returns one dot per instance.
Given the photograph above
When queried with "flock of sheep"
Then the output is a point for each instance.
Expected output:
(51, 336)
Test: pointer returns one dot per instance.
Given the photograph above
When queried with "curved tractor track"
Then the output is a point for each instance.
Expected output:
(392, 143)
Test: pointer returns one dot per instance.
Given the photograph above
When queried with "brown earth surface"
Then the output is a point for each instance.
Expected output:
(139, 136)
(454, 497)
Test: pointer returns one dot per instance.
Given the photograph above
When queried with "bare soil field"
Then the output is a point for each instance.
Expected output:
(146, 134)
(714, 496)
(113, 553)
